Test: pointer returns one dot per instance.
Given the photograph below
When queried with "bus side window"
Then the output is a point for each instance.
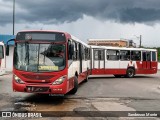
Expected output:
(112, 54)
(70, 50)
(74, 52)
(82, 52)
(124, 55)
(1, 52)
(153, 56)
(144, 56)
(89, 53)
(101, 55)
(86, 53)
(98, 54)
(148, 56)
(77, 50)
(136, 55)
(95, 54)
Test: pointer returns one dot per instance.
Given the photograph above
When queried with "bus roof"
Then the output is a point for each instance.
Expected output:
(122, 48)
(41, 31)
(73, 37)
(80, 41)
(92, 46)
(44, 31)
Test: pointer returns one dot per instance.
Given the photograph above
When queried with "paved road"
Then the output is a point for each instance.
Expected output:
(141, 93)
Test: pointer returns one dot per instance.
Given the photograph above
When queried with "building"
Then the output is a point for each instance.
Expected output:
(9, 59)
(111, 42)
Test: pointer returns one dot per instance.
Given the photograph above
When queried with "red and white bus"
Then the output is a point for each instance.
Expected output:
(54, 62)
(123, 61)
(2, 59)
(50, 62)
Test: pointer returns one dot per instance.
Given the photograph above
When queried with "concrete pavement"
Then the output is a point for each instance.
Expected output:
(108, 93)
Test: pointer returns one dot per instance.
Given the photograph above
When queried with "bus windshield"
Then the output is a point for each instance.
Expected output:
(39, 57)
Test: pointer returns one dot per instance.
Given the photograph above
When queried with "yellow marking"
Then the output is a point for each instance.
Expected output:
(48, 68)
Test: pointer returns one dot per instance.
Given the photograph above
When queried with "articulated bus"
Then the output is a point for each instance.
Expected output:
(126, 62)
(2, 59)
(53, 62)
(49, 62)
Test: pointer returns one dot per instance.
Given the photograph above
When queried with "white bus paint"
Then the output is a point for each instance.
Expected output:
(2, 59)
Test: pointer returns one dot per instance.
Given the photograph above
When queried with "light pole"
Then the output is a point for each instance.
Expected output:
(140, 40)
(13, 15)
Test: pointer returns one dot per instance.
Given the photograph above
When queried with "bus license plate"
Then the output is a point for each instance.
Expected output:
(37, 89)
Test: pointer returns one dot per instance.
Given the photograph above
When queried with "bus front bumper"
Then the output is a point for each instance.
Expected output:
(40, 88)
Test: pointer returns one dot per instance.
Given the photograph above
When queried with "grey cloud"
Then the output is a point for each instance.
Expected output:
(139, 15)
(60, 11)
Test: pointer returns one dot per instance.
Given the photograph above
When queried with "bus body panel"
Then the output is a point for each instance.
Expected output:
(42, 82)
(3, 59)
(101, 61)
(74, 68)
(119, 67)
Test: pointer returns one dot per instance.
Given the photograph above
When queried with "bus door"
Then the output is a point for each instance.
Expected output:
(146, 64)
(98, 61)
(148, 56)
(154, 60)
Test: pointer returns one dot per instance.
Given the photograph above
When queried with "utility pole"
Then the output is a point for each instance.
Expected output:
(13, 15)
(140, 40)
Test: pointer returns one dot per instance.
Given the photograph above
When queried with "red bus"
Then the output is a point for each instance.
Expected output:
(121, 61)
(49, 62)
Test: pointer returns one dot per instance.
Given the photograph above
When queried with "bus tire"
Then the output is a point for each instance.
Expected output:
(130, 73)
(74, 90)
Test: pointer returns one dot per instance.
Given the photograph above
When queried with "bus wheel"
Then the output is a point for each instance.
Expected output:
(74, 90)
(130, 73)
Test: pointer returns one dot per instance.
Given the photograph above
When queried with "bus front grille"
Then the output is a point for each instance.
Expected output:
(37, 77)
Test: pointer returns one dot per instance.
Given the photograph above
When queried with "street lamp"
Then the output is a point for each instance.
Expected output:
(13, 15)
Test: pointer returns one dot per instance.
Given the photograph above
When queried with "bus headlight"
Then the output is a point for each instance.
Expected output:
(59, 80)
(18, 80)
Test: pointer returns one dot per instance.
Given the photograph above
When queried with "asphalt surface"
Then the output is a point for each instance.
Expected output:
(105, 93)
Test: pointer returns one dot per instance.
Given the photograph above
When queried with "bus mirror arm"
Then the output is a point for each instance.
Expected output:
(7, 47)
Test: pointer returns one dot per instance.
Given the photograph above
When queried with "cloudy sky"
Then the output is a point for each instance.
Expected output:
(109, 19)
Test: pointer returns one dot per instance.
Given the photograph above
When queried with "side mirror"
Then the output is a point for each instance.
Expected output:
(7, 47)
(1, 53)
(7, 50)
